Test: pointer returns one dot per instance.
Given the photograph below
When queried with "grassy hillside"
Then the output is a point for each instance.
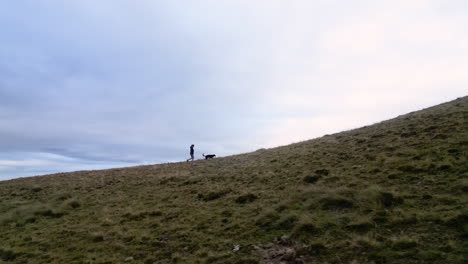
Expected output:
(394, 192)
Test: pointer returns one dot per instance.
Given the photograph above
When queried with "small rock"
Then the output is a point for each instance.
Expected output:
(236, 248)
(129, 259)
(284, 240)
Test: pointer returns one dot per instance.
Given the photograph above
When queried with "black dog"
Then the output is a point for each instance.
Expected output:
(209, 156)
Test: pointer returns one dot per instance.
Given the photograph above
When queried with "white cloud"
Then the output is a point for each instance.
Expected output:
(386, 59)
(21, 164)
(24, 163)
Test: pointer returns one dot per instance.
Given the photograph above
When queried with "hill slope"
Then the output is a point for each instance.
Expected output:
(394, 192)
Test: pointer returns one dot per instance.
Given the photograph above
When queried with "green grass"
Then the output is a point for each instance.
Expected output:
(393, 192)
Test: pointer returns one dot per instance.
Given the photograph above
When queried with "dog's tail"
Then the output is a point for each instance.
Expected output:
(203, 154)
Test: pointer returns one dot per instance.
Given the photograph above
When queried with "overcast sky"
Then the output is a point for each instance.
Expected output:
(88, 84)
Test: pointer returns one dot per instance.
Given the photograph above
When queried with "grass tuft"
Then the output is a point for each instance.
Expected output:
(335, 203)
(305, 229)
(7, 254)
(311, 178)
(210, 196)
(403, 243)
(246, 198)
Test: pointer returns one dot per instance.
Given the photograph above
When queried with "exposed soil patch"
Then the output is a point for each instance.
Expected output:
(279, 253)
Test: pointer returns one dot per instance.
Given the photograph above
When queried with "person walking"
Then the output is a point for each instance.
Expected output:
(192, 158)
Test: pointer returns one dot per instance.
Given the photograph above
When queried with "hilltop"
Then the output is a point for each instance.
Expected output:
(393, 192)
